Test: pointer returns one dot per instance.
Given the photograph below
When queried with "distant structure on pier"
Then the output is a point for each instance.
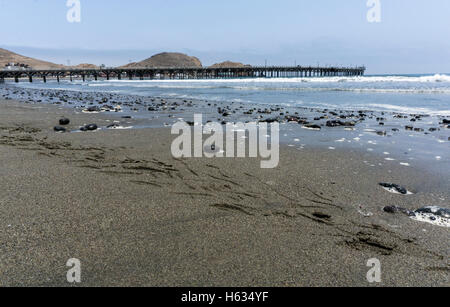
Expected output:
(16, 66)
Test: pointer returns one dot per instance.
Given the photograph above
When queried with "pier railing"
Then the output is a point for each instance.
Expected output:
(183, 72)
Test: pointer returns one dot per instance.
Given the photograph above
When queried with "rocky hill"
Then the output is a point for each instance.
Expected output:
(162, 60)
(85, 66)
(229, 64)
(7, 56)
(167, 59)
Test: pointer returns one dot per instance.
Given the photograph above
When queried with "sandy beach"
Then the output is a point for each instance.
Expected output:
(135, 216)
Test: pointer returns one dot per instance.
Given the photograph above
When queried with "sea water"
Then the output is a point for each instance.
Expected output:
(418, 94)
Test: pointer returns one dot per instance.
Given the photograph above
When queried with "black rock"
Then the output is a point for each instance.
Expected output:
(446, 121)
(338, 123)
(59, 129)
(444, 212)
(349, 124)
(333, 123)
(64, 121)
(93, 109)
(395, 209)
(395, 187)
(390, 209)
(269, 120)
(90, 127)
(312, 126)
(291, 118)
(113, 125)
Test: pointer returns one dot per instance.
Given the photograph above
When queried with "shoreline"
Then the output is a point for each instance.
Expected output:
(406, 139)
(133, 215)
(391, 109)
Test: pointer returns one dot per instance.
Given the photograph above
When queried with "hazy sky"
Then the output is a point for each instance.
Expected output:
(413, 35)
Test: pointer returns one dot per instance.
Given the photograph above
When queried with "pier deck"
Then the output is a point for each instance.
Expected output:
(182, 73)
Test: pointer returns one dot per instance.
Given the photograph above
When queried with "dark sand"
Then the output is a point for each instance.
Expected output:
(134, 216)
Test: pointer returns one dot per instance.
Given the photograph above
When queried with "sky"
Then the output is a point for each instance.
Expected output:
(413, 36)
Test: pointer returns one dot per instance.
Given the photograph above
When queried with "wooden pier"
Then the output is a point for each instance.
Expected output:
(182, 73)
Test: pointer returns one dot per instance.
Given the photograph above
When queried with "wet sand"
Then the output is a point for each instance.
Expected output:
(134, 216)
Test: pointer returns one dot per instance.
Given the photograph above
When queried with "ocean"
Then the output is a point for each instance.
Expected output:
(412, 94)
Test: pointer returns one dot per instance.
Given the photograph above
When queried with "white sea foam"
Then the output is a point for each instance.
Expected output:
(272, 86)
(439, 78)
(394, 191)
(405, 109)
(431, 219)
(382, 84)
(121, 127)
(433, 215)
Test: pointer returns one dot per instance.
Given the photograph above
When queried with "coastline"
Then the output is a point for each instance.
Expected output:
(409, 139)
(118, 201)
